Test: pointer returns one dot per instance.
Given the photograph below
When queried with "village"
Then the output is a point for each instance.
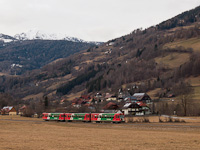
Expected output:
(138, 104)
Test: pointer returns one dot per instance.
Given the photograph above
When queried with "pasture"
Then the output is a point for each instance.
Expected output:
(26, 133)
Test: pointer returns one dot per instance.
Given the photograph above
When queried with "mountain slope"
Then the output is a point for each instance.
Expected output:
(33, 54)
(150, 59)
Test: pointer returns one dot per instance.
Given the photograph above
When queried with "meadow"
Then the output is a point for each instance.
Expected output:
(21, 133)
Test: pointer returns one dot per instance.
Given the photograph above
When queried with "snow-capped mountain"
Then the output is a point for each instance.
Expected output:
(6, 38)
(35, 34)
(41, 35)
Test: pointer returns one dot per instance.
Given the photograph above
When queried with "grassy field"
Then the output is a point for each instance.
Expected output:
(35, 134)
(173, 60)
(195, 83)
(190, 43)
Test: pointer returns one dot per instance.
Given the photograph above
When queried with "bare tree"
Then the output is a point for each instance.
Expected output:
(185, 92)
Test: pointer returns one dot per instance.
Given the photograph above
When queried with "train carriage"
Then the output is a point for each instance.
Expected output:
(54, 116)
(77, 117)
(107, 117)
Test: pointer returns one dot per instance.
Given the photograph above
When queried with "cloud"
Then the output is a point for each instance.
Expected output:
(99, 20)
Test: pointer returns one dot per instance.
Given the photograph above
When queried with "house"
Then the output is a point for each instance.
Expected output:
(22, 110)
(85, 97)
(131, 109)
(8, 110)
(78, 102)
(110, 97)
(122, 96)
(145, 110)
(110, 107)
(130, 99)
(98, 97)
(142, 97)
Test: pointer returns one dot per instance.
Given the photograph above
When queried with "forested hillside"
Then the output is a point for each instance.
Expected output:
(160, 58)
(19, 56)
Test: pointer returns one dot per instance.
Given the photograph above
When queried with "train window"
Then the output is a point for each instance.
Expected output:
(121, 116)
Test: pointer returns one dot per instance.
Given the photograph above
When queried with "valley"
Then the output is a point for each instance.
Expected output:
(158, 60)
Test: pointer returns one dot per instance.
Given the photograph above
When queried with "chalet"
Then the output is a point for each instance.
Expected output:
(145, 110)
(136, 108)
(131, 109)
(142, 97)
(130, 99)
(8, 110)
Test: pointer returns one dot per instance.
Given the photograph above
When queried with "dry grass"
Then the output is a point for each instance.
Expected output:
(152, 93)
(32, 135)
(155, 119)
(36, 96)
(74, 95)
(195, 82)
(173, 60)
(189, 43)
(197, 93)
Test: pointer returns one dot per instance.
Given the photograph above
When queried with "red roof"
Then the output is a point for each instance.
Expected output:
(7, 109)
(111, 105)
(86, 97)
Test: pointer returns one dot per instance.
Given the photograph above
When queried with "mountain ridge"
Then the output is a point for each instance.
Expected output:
(144, 58)
(41, 35)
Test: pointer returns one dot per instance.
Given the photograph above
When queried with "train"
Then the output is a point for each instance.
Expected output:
(85, 117)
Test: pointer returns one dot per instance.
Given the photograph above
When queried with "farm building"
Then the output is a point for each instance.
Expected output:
(135, 109)
(8, 110)
(142, 97)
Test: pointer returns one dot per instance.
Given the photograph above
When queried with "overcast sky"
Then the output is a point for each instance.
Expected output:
(92, 20)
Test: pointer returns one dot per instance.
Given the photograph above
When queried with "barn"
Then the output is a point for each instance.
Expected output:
(8, 110)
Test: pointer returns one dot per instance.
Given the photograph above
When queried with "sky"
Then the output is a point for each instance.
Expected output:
(90, 20)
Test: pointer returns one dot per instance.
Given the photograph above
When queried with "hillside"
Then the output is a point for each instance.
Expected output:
(18, 56)
(155, 59)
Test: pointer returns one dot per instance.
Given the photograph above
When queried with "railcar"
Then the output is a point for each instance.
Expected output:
(107, 117)
(85, 117)
(54, 116)
(78, 117)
